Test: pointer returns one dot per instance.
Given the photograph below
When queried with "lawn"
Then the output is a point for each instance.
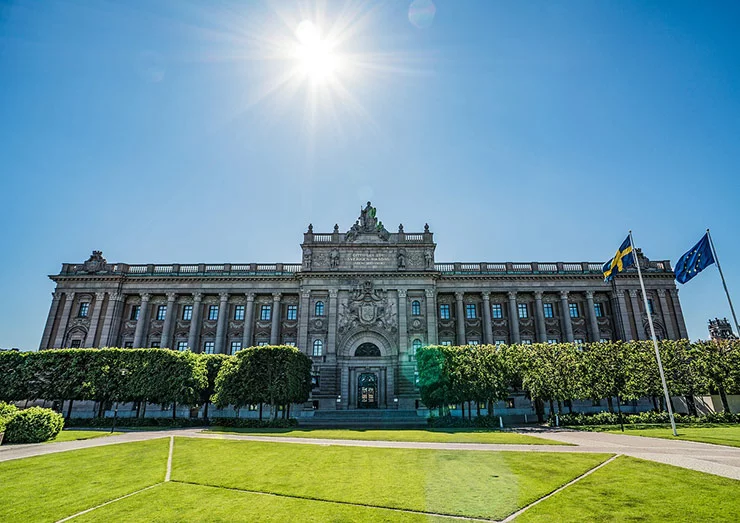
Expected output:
(716, 434)
(630, 489)
(466, 483)
(50, 487)
(423, 435)
(73, 435)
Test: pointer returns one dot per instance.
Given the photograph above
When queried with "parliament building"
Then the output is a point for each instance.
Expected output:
(360, 304)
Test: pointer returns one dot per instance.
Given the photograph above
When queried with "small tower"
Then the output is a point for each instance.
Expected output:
(720, 329)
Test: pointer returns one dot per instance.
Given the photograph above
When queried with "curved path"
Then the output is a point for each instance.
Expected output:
(703, 457)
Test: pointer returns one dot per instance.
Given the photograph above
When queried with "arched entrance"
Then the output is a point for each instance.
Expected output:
(367, 391)
(367, 361)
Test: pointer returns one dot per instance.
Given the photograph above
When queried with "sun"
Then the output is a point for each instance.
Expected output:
(317, 60)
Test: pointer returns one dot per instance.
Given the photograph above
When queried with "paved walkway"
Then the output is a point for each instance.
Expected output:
(703, 457)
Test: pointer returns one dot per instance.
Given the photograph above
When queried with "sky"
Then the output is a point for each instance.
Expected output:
(188, 132)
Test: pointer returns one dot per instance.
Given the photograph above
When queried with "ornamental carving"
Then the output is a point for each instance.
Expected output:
(95, 263)
(368, 307)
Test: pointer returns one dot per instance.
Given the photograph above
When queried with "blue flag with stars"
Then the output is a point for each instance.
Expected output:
(623, 259)
(696, 260)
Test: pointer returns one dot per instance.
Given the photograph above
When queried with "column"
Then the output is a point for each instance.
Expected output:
(682, 332)
(431, 317)
(223, 318)
(111, 319)
(194, 334)
(169, 322)
(331, 339)
(69, 297)
(567, 329)
(513, 319)
(275, 330)
(46, 337)
(487, 326)
(248, 321)
(539, 316)
(460, 318)
(593, 323)
(667, 320)
(94, 319)
(303, 315)
(141, 323)
(623, 316)
(403, 328)
(637, 315)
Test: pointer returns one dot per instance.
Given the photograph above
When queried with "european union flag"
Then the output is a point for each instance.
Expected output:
(623, 259)
(696, 260)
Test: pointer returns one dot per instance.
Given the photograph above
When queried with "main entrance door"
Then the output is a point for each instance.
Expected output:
(367, 391)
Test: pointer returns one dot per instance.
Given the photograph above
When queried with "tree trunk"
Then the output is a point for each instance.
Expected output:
(100, 409)
(661, 402)
(205, 412)
(490, 407)
(610, 404)
(174, 410)
(287, 411)
(552, 408)
(691, 404)
(477, 409)
(138, 409)
(260, 411)
(655, 404)
(569, 404)
(560, 408)
(143, 409)
(723, 397)
(619, 409)
(462, 406)
(539, 408)
(69, 409)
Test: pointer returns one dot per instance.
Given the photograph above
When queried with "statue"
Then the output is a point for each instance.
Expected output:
(368, 221)
(353, 232)
(428, 259)
(307, 258)
(334, 259)
(402, 258)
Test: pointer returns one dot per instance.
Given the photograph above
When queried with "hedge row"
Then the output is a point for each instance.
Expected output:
(642, 418)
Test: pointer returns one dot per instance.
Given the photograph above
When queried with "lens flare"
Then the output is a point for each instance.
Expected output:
(421, 13)
(316, 57)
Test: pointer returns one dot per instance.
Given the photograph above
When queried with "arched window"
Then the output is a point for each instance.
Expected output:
(416, 345)
(318, 346)
(415, 308)
(319, 309)
(367, 350)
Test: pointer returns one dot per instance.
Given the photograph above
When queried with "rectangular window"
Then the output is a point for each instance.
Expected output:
(182, 346)
(471, 311)
(500, 342)
(526, 342)
(523, 310)
(444, 311)
(510, 403)
(446, 343)
(187, 312)
(289, 343)
(253, 407)
(292, 312)
(573, 309)
(578, 341)
(473, 342)
(213, 312)
(154, 345)
(604, 340)
(236, 346)
(599, 310)
(262, 343)
(315, 379)
(651, 310)
(84, 308)
(135, 312)
(161, 312)
(209, 347)
(552, 341)
(497, 312)
(239, 312)
(76, 344)
(548, 310)
(266, 312)
(128, 345)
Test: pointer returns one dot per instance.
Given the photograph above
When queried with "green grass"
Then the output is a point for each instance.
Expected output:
(466, 483)
(716, 434)
(176, 502)
(50, 487)
(73, 435)
(630, 489)
(423, 435)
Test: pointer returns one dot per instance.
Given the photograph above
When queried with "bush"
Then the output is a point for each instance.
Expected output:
(252, 423)
(165, 422)
(7, 410)
(641, 418)
(480, 422)
(34, 425)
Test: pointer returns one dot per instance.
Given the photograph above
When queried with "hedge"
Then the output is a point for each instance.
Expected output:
(33, 425)
(642, 418)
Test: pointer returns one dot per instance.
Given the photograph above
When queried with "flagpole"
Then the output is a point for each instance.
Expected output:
(724, 284)
(655, 340)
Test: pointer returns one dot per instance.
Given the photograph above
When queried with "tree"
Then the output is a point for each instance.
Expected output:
(551, 371)
(435, 387)
(606, 371)
(213, 364)
(13, 379)
(718, 361)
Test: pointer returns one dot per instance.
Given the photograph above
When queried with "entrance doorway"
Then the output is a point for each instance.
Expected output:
(367, 391)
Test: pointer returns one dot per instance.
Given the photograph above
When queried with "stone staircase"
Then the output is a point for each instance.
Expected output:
(364, 418)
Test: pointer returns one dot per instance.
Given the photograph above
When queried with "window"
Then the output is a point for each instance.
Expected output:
(213, 312)
(292, 312)
(473, 342)
(239, 312)
(154, 345)
(128, 345)
(187, 312)
(444, 311)
(500, 342)
(548, 310)
(446, 343)
(314, 379)
(552, 341)
(416, 345)
(651, 310)
(209, 347)
(526, 342)
(510, 403)
(262, 343)
(161, 312)
(182, 346)
(497, 311)
(604, 340)
(84, 309)
(599, 310)
(266, 312)
(236, 346)
(76, 344)
(523, 310)
(578, 341)
(289, 343)
(415, 308)
(318, 347)
(253, 407)
(471, 311)
(573, 309)
(135, 312)
(318, 309)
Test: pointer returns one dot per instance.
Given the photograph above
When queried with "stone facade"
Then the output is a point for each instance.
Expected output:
(359, 303)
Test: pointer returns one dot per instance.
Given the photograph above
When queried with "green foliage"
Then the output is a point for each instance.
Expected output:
(643, 418)
(480, 422)
(134, 422)
(252, 423)
(33, 425)
(12, 378)
(7, 411)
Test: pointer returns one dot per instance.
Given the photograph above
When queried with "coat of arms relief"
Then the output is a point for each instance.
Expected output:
(368, 307)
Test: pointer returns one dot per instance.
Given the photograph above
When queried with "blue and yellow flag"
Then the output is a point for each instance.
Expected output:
(696, 260)
(623, 259)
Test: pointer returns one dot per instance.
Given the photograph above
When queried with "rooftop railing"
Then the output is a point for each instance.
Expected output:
(537, 268)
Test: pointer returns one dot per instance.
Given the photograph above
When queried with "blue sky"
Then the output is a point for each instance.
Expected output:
(519, 130)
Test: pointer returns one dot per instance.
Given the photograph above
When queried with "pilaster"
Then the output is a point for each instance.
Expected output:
(539, 316)
(431, 316)
(565, 315)
(142, 322)
(194, 334)
(248, 321)
(49, 327)
(94, 319)
(683, 333)
(593, 323)
(169, 321)
(331, 340)
(403, 331)
(460, 318)
(513, 319)
(275, 329)
(666, 313)
(69, 298)
(635, 300)
(223, 317)
(487, 325)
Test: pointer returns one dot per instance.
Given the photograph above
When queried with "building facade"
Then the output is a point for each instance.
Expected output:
(359, 304)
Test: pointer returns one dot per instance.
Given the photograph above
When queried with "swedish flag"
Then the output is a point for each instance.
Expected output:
(623, 259)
